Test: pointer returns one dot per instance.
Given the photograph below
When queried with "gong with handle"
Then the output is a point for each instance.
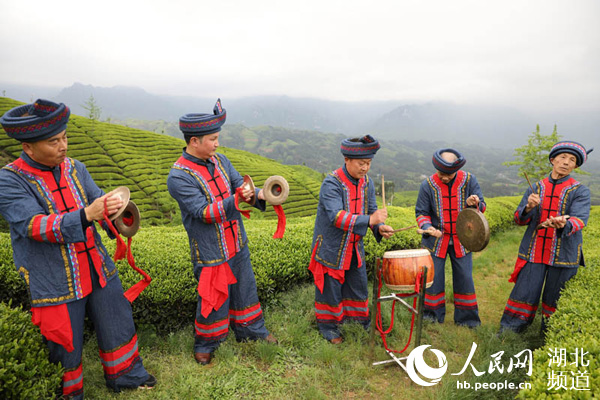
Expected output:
(472, 229)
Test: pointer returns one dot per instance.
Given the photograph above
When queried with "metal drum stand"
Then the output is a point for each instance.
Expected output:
(418, 312)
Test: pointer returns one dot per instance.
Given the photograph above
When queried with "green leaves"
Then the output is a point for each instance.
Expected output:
(573, 326)
(532, 158)
(25, 371)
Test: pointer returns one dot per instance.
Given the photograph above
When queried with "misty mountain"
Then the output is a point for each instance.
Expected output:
(493, 126)
(504, 127)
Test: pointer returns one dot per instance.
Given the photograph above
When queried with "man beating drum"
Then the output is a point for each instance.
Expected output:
(347, 207)
(441, 198)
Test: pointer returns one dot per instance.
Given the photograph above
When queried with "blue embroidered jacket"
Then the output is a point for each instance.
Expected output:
(343, 218)
(205, 193)
(439, 204)
(53, 244)
(557, 247)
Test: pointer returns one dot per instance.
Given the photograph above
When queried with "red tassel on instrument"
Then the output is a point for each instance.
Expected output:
(122, 249)
(133, 292)
(281, 221)
(238, 195)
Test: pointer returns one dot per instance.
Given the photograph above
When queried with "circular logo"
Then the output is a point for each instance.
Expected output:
(417, 367)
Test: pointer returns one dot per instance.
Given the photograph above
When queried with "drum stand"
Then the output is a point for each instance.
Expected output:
(401, 361)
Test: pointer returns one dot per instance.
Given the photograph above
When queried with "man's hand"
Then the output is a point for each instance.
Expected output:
(378, 217)
(532, 201)
(557, 222)
(473, 201)
(430, 231)
(247, 193)
(386, 231)
(95, 211)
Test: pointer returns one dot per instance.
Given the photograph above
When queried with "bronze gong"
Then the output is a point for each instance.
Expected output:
(472, 229)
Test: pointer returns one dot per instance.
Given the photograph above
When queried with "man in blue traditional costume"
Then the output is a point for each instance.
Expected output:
(51, 202)
(347, 208)
(207, 187)
(441, 198)
(550, 253)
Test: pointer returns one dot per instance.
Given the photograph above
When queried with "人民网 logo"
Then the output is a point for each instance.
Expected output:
(417, 367)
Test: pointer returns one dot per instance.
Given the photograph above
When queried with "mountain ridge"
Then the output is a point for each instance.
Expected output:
(499, 126)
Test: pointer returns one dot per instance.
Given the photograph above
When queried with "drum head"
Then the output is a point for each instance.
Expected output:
(472, 229)
(410, 253)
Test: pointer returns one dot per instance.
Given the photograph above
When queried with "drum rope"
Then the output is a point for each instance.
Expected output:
(378, 320)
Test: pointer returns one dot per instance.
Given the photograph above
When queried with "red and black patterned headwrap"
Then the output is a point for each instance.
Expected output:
(448, 167)
(203, 124)
(364, 147)
(37, 121)
(571, 147)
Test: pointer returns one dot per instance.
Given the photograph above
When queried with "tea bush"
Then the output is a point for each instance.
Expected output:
(573, 326)
(279, 264)
(25, 371)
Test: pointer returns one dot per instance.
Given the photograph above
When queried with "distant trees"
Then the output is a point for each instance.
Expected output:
(93, 109)
(532, 158)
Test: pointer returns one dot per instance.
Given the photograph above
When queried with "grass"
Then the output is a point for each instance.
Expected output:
(305, 366)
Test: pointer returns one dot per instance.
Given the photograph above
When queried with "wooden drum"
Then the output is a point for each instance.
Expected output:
(401, 267)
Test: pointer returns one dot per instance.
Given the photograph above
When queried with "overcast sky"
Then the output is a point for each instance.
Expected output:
(537, 55)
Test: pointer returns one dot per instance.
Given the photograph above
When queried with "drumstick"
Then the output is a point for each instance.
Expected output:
(403, 229)
(528, 181)
(383, 191)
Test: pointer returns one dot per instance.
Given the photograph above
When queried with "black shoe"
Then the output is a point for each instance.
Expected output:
(149, 383)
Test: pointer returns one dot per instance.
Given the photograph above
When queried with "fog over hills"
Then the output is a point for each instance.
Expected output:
(504, 127)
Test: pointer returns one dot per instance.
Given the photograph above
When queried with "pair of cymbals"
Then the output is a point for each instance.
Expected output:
(276, 189)
(127, 218)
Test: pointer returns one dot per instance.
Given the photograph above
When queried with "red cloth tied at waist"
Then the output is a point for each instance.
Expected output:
(55, 324)
(319, 270)
(518, 267)
(213, 287)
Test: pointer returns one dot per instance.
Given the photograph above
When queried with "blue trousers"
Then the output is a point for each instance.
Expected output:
(110, 313)
(466, 311)
(342, 302)
(524, 299)
(241, 310)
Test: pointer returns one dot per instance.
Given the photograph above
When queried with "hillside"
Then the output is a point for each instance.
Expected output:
(116, 155)
(404, 163)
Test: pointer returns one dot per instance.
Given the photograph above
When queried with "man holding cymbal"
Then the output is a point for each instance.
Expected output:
(207, 188)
